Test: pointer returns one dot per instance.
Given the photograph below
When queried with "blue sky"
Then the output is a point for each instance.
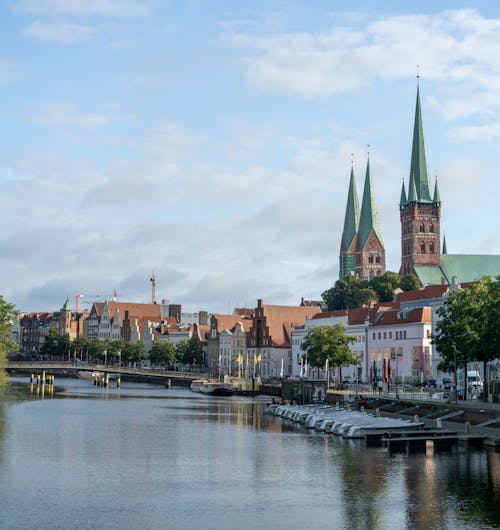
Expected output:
(210, 141)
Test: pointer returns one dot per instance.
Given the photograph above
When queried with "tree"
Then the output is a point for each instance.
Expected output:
(328, 342)
(468, 329)
(349, 293)
(133, 352)
(7, 316)
(190, 351)
(385, 285)
(409, 283)
(56, 345)
(162, 352)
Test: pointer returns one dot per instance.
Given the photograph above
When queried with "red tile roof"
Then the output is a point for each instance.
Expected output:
(397, 316)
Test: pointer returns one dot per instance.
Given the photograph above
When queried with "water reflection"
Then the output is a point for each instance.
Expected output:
(144, 456)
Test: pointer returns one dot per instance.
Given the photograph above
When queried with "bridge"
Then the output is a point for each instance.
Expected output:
(62, 369)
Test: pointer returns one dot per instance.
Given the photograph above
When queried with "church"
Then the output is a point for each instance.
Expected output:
(362, 252)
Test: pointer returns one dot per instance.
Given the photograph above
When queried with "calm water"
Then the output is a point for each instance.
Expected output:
(145, 457)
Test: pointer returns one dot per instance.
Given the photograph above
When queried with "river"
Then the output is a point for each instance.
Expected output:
(146, 457)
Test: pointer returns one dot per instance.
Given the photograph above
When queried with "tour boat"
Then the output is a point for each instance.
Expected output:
(216, 389)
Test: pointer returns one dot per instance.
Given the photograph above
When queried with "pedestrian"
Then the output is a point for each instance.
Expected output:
(380, 386)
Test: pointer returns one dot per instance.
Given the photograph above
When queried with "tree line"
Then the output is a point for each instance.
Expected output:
(163, 352)
(352, 292)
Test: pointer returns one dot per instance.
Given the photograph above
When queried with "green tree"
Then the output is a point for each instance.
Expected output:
(409, 283)
(328, 342)
(385, 285)
(56, 345)
(468, 329)
(189, 351)
(133, 352)
(349, 293)
(162, 352)
(7, 316)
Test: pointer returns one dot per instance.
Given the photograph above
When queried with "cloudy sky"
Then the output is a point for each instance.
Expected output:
(211, 141)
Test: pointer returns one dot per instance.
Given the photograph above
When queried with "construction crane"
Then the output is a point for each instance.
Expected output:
(79, 296)
(153, 288)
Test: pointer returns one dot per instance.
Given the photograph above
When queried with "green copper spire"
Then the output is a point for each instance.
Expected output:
(403, 200)
(368, 219)
(418, 168)
(66, 306)
(437, 197)
(445, 250)
(351, 221)
(412, 192)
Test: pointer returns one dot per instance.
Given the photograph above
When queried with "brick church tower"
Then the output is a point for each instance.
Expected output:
(369, 257)
(419, 212)
(350, 232)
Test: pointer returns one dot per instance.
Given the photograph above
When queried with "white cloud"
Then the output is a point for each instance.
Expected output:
(88, 8)
(8, 71)
(61, 31)
(68, 115)
(459, 48)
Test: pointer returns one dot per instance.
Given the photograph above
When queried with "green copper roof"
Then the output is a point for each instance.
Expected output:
(412, 192)
(66, 306)
(465, 267)
(418, 167)
(368, 219)
(430, 275)
(469, 267)
(437, 197)
(402, 200)
(351, 221)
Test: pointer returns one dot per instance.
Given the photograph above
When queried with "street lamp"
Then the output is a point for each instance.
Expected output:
(105, 356)
(367, 325)
(119, 358)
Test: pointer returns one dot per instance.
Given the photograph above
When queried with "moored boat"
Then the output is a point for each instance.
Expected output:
(216, 389)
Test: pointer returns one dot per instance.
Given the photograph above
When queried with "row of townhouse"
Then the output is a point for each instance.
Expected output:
(266, 340)
(381, 332)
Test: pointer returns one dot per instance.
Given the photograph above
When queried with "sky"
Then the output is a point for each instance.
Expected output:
(211, 142)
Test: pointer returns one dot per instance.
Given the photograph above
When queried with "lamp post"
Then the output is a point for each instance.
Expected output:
(105, 356)
(119, 358)
(367, 325)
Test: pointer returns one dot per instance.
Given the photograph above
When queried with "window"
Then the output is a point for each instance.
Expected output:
(370, 259)
(422, 247)
(377, 259)
(422, 227)
(385, 335)
(374, 336)
(431, 247)
(404, 334)
(431, 228)
(390, 334)
(379, 335)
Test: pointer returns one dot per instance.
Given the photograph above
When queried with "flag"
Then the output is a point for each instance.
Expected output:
(220, 358)
(302, 367)
(389, 374)
(281, 371)
(385, 370)
(259, 358)
(115, 296)
(240, 359)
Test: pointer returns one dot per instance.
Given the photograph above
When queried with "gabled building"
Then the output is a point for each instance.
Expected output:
(269, 339)
(115, 320)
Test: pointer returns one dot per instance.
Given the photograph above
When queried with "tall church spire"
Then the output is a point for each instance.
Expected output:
(368, 219)
(402, 199)
(418, 167)
(351, 220)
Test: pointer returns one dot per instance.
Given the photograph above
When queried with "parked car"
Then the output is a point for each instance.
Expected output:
(431, 384)
(446, 383)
